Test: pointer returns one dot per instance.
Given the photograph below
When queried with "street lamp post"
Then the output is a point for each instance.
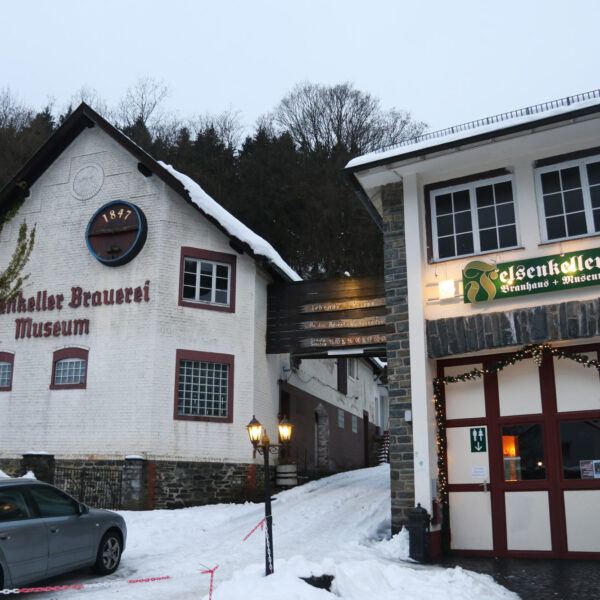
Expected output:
(262, 444)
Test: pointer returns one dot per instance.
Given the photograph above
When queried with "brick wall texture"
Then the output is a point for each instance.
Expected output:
(398, 356)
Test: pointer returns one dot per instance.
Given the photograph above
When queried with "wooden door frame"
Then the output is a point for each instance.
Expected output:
(554, 483)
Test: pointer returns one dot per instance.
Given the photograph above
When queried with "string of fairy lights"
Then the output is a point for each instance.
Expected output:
(535, 351)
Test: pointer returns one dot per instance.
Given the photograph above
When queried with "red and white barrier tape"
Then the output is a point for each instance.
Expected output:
(212, 577)
(261, 524)
(64, 588)
(90, 586)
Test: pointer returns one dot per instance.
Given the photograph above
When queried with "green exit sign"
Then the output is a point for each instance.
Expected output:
(478, 439)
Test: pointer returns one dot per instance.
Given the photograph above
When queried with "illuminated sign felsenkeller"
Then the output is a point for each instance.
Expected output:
(42, 301)
(483, 282)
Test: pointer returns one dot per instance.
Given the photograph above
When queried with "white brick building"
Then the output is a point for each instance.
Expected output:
(102, 361)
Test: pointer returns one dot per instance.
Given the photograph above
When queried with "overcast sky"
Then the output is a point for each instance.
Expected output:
(445, 62)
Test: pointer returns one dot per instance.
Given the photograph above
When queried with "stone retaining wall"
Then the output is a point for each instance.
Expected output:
(12, 467)
(176, 484)
(150, 484)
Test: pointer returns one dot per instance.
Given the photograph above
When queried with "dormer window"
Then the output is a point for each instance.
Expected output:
(473, 218)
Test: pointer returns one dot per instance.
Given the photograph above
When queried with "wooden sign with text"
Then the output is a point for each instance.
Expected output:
(315, 317)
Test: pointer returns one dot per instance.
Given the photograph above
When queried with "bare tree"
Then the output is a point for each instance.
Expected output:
(227, 126)
(92, 98)
(141, 103)
(322, 117)
(14, 115)
(165, 131)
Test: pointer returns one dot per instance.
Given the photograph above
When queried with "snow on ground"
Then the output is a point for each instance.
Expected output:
(338, 526)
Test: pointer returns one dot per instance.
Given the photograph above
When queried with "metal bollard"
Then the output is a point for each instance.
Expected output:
(418, 529)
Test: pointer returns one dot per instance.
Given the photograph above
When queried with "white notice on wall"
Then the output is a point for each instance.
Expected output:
(479, 472)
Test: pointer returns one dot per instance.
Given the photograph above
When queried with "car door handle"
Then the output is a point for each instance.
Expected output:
(54, 530)
(5, 537)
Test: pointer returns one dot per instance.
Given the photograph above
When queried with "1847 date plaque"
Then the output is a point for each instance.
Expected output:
(116, 233)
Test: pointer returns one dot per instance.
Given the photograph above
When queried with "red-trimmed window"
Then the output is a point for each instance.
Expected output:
(203, 386)
(207, 279)
(69, 369)
(7, 361)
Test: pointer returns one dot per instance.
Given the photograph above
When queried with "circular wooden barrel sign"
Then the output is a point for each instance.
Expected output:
(116, 233)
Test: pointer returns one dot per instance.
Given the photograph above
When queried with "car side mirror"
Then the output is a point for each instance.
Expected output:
(83, 509)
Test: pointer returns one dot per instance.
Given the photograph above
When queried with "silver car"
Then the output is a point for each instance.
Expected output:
(45, 532)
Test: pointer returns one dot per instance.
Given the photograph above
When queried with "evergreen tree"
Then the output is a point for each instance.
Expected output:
(284, 182)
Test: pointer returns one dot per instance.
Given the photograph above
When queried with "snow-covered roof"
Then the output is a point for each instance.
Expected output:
(233, 226)
(83, 117)
(481, 127)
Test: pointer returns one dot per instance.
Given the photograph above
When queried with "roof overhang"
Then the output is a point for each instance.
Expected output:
(368, 174)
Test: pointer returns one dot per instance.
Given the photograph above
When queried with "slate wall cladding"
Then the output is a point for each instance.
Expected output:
(536, 324)
(398, 355)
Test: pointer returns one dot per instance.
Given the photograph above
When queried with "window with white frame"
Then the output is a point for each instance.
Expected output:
(69, 369)
(204, 386)
(207, 279)
(5, 375)
(353, 368)
(341, 418)
(473, 218)
(6, 371)
(569, 198)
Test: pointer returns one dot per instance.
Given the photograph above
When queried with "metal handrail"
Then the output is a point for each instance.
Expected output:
(506, 116)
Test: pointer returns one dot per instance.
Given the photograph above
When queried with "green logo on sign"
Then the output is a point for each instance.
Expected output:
(477, 277)
(483, 282)
(478, 439)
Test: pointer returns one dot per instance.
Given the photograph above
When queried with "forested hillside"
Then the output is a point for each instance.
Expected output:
(282, 180)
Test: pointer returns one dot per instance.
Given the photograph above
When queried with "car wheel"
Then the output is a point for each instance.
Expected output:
(109, 553)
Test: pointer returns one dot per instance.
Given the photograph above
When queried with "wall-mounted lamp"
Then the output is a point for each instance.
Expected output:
(446, 289)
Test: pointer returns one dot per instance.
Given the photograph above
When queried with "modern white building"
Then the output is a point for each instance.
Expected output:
(141, 330)
(492, 269)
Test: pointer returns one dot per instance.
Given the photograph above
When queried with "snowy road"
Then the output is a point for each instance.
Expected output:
(339, 526)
